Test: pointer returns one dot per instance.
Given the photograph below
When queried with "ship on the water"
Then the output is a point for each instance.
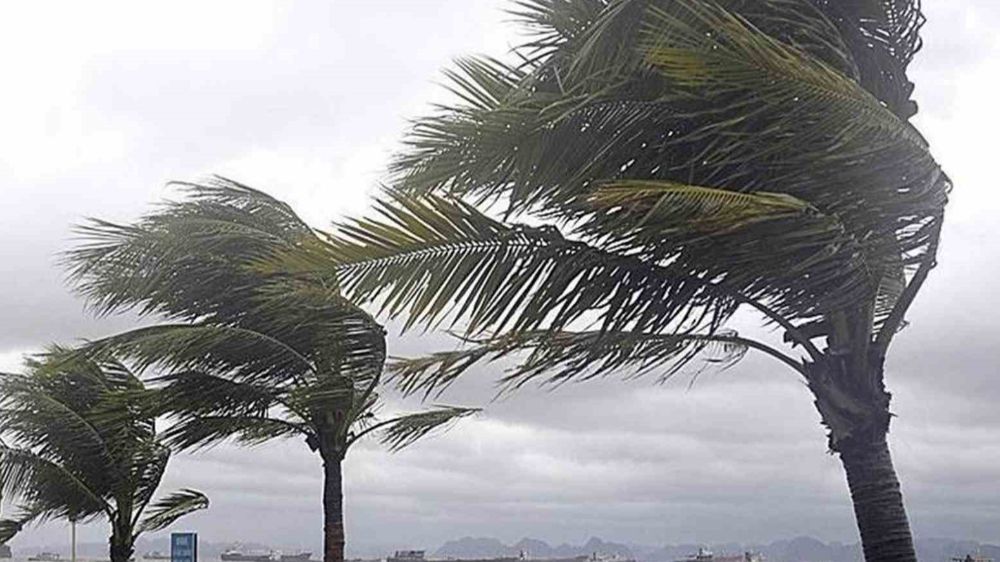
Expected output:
(705, 555)
(236, 555)
(155, 555)
(44, 557)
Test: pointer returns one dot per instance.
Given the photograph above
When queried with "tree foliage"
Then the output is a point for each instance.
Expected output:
(259, 342)
(76, 446)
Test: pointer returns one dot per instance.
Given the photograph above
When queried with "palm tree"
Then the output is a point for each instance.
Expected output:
(659, 166)
(254, 350)
(77, 448)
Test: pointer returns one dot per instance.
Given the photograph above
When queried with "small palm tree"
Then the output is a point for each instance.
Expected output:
(257, 350)
(671, 162)
(76, 447)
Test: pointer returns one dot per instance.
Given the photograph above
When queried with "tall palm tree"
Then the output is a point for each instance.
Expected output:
(661, 164)
(76, 447)
(255, 350)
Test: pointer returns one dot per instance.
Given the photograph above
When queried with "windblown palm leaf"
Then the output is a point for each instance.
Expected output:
(171, 508)
(557, 357)
(429, 253)
(78, 448)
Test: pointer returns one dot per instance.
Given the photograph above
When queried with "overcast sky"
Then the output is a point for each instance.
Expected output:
(103, 102)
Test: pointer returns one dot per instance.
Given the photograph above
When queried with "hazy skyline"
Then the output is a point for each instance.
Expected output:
(105, 102)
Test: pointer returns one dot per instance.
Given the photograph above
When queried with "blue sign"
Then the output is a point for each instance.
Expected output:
(183, 547)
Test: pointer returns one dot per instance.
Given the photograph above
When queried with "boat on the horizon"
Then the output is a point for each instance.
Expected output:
(234, 555)
(155, 555)
(44, 557)
(705, 555)
(300, 557)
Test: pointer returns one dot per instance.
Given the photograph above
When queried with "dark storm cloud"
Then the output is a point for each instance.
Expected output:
(307, 99)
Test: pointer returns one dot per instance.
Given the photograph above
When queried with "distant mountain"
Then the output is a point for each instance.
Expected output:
(799, 549)
(485, 547)
(472, 547)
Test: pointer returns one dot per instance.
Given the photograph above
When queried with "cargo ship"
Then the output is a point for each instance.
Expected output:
(234, 555)
(44, 557)
(155, 555)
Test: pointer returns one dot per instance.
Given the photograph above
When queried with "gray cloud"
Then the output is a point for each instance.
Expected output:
(307, 100)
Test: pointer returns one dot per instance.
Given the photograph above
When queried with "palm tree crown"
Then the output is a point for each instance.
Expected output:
(257, 346)
(661, 164)
(77, 448)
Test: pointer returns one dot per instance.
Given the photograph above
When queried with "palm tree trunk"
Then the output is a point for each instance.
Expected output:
(333, 511)
(878, 502)
(121, 545)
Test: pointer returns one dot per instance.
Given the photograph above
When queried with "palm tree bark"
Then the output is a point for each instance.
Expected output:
(333, 510)
(121, 544)
(878, 501)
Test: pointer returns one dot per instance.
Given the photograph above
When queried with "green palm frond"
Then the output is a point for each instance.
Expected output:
(216, 409)
(401, 432)
(585, 56)
(555, 357)
(218, 235)
(204, 393)
(249, 430)
(761, 237)
(659, 213)
(169, 509)
(147, 472)
(701, 47)
(883, 36)
(431, 257)
(242, 353)
(38, 481)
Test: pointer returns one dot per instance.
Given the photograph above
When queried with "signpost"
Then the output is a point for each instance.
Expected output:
(184, 547)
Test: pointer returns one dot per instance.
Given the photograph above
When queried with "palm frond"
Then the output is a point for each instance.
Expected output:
(556, 357)
(701, 47)
(166, 511)
(250, 430)
(883, 36)
(431, 257)
(28, 513)
(401, 432)
(242, 353)
(217, 236)
(41, 482)
(147, 472)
